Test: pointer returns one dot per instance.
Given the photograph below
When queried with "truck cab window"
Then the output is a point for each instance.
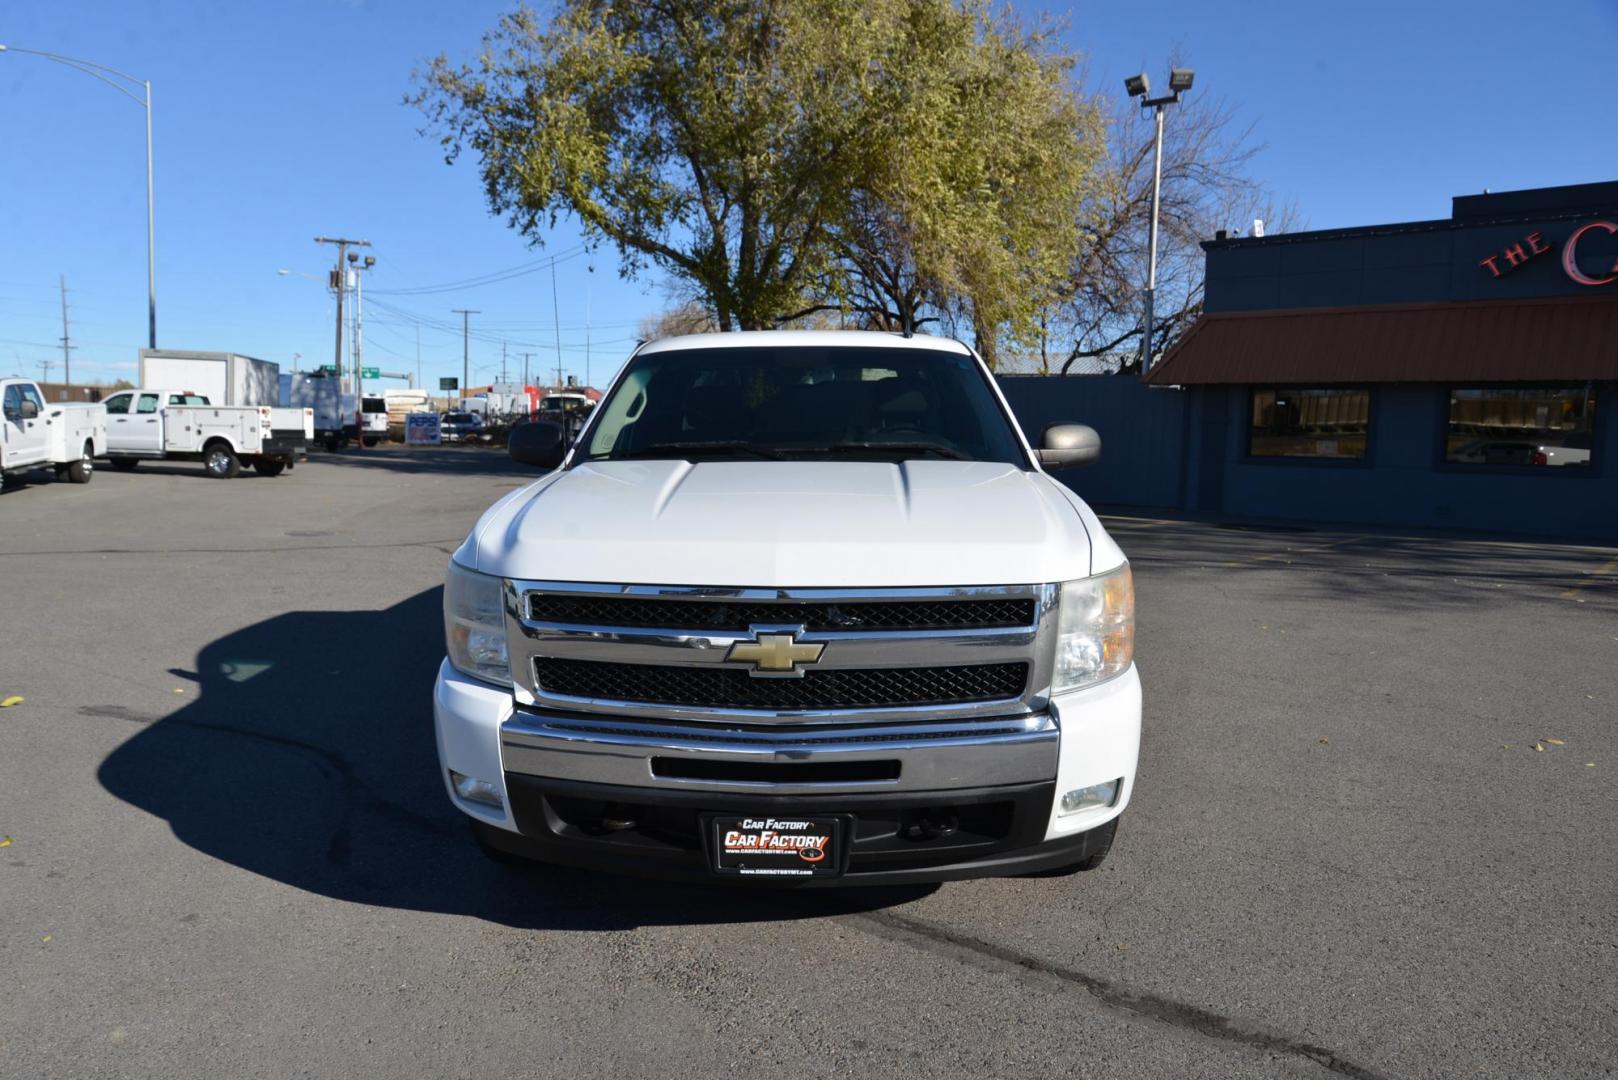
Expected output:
(30, 393)
(147, 403)
(118, 404)
(13, 403)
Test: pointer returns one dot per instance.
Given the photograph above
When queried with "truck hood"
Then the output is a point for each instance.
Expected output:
(792, 524)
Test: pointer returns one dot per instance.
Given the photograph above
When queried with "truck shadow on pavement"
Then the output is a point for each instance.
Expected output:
(309, 759)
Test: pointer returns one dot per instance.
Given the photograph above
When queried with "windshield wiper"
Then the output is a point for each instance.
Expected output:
(686, 449)
(889, 447)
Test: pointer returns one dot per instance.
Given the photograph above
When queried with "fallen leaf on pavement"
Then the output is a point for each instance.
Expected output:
(1556, 742)
(5, 841)
(14, 699)
(47, 938)
(1539, 748)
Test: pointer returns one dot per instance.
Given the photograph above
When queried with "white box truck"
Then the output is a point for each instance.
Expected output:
(224, 378)
(324, 396)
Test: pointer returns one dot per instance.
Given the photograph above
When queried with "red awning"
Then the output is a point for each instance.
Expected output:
(1479, 341)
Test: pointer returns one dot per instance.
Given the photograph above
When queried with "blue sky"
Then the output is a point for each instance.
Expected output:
(278, 122)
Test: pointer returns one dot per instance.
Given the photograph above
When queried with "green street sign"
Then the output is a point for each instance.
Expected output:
(370, 373)
(449, 384)
(328, 369)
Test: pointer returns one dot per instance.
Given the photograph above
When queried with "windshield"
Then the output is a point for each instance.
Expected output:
(459, 418)
(373, 405)
(799, 402)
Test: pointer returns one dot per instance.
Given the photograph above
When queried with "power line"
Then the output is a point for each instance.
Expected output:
(494, 277)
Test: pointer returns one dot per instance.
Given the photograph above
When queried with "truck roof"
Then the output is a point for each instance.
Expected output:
(807, 339)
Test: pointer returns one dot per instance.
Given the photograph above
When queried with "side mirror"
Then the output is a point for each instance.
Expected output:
(1066, 445)
(29, 410)
(539, 443)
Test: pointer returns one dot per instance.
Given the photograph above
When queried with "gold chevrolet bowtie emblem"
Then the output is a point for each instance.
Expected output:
(775, 654)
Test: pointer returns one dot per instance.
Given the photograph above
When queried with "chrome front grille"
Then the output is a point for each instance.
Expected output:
(662, 652)
(735, 614)
(711, 686)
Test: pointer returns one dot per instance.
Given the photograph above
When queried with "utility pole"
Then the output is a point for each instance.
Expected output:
(525, 357)
(67, 360)
(502, 361)
(339, 282)
(45, 370)
(418, 355)
(466, 323)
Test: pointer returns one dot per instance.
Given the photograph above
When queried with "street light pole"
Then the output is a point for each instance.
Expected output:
(151, 232)
(101, 71)
(1140, 86)
(1151, 258)
(466, 330)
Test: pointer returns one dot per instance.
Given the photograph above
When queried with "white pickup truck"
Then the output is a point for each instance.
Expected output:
(796, 608)
(35, 435)
(162, 423)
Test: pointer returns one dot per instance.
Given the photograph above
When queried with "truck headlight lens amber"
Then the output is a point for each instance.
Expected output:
(1095, 637)
(475, 625)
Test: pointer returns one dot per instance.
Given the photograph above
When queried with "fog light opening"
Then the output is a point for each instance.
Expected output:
(474, 790)
(1089, 798)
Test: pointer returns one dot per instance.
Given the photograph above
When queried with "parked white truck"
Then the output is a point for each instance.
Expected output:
(798, 608)
(166, 423)
(34, 434)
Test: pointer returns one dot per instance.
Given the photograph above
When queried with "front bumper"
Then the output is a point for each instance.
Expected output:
(559, 776)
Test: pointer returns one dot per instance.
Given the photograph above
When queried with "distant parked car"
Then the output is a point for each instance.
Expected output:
(1575, 450)
(1495, 452)
(459, 427)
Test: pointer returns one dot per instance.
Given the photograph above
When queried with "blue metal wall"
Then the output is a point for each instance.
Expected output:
(1142, 432)
(1404, 481)
(1187, 450)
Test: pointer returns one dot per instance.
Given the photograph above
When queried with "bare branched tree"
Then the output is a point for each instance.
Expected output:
(1207, 186)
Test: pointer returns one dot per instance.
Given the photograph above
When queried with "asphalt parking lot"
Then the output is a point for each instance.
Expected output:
(230, 853)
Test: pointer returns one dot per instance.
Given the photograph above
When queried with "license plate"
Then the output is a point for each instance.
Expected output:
(777, 846)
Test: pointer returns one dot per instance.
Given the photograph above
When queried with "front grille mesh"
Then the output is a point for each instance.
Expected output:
(738, 615)
(734, 688)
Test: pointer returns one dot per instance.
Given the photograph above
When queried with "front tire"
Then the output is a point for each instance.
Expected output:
(265, 467)
(83, 469)
(221, 462)
(125, 464)
(370, 440)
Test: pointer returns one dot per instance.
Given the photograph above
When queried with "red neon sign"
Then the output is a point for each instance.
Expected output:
(1570, 255)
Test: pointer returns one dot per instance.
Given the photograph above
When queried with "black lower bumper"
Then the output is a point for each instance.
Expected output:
(280, 444)
(897, 838)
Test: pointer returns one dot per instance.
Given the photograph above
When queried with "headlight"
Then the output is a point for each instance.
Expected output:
(1095, 637)
(475, 625)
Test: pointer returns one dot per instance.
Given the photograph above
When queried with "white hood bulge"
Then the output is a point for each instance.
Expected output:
(785, 524)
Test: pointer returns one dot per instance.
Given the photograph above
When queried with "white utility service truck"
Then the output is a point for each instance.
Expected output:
(795, 608)
(165, 423)
(65, 436)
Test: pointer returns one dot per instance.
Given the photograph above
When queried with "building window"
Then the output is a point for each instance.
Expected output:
(1309, 423)
(1521, 425)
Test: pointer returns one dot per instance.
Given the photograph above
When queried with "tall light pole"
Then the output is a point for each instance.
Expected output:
(359, 266)
(101, 71)
(1141, 87)
(466, 331)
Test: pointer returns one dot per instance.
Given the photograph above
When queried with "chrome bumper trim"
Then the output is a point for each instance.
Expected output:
(931, 756)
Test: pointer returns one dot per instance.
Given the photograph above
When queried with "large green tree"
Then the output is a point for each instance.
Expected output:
(782, 156)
